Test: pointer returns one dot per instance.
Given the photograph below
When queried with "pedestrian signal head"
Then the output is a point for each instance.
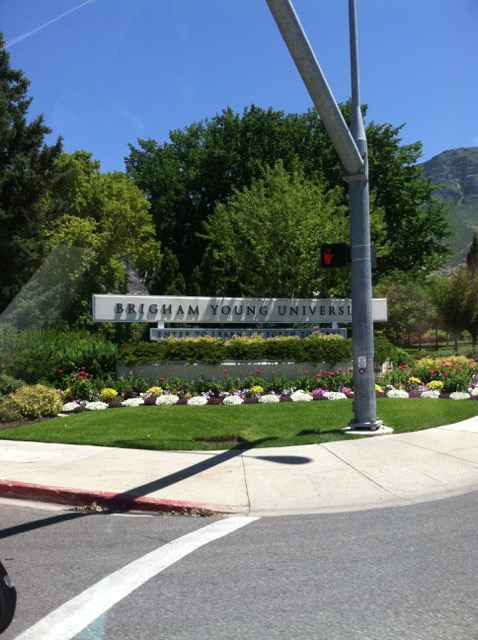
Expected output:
(334, 255)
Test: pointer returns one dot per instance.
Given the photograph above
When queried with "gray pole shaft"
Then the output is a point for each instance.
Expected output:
(362, 324)
(352, 150)
(311, 73)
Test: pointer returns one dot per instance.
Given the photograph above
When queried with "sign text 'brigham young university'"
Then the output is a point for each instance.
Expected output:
(188, 309)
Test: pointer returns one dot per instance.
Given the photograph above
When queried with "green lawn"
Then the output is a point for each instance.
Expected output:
(223, 427)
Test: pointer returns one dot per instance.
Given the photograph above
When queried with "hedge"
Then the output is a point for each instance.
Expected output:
(315, 348)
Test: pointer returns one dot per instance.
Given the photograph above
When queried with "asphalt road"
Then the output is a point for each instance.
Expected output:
(407, 572)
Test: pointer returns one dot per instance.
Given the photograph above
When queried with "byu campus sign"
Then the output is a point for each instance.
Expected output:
(196, 310)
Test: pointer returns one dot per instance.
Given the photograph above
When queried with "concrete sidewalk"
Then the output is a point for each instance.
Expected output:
(392, 470)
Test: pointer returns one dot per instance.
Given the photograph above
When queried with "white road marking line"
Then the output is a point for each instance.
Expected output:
(68, 620)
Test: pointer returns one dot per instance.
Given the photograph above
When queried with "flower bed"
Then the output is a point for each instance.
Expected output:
(454, 379)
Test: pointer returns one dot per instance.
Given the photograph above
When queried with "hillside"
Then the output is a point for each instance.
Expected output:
(456, 171)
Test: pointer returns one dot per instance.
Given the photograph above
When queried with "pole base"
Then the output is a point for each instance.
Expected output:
(375, 428)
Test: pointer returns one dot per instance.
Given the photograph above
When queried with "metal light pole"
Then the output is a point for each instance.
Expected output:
(365, 408)
(351, 147)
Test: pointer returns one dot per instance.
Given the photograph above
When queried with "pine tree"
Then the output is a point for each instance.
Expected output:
(472, 256)
(25, 170)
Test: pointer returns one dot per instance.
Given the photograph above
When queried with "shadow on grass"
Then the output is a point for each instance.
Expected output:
(319, 432)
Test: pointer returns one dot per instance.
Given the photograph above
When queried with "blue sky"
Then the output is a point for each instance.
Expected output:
(107, 72)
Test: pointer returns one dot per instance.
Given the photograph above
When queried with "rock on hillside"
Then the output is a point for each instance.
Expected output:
(456, 173)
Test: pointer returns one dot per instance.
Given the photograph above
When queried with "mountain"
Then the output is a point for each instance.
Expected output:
(455, 172)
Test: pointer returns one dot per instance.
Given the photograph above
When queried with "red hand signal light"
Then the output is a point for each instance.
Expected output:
(334, 255)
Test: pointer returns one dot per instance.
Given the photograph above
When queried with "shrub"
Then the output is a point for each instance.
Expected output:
(246, 347)
(9, 384)
(331, 349)
(43, 354)
(78, 385)
(9, 412)
(33, 402)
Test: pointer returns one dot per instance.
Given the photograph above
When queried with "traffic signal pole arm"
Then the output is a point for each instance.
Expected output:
(299, 47)
(351, 147)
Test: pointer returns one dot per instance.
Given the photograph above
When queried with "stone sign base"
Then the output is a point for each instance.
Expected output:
(154, 371)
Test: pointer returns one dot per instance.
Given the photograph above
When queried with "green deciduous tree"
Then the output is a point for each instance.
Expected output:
(456, 299)
(409, 307)
(26, 164)
(107, 217)
(417, 225)
(456, 296)
(99, 226)
(203, 165)
(265, 241)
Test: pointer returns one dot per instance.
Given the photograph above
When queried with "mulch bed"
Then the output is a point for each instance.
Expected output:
(18, 423)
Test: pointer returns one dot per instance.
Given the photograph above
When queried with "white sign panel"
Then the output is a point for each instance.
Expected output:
(227, 334)
(195, 310)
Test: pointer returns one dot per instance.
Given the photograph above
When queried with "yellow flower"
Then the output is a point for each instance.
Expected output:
(108, 394)
(157, 391)
(257, 389)
(435, 384)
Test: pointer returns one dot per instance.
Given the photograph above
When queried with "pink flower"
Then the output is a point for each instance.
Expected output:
(339, 370)
(306, 373)
(59, 370)
(258, 371)
(225, 370)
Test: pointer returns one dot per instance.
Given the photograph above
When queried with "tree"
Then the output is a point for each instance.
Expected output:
(456, 296)
(202, 166)
(26, 164)
(472, 256)
(265, 241)
(408, 305)
(456, 299)
(102, 225)
(417, 225)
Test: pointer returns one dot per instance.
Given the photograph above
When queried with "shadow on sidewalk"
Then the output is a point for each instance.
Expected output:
(206, 464)
(161, 483)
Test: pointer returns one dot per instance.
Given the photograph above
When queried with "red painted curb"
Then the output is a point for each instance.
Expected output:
(106, 500)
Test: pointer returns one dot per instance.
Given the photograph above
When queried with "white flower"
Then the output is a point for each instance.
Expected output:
(69, 406)
(268, 398)
(430, 393)
(459, 395)
(132, 402)
(335, 395)
(96, 406)
(231, 400)
(397, 393)
(197, 400)
(301, 396)
(167, 399)
(473, 392)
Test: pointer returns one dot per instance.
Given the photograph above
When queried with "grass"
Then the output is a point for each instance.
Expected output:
(444, 350)
(222, 427)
